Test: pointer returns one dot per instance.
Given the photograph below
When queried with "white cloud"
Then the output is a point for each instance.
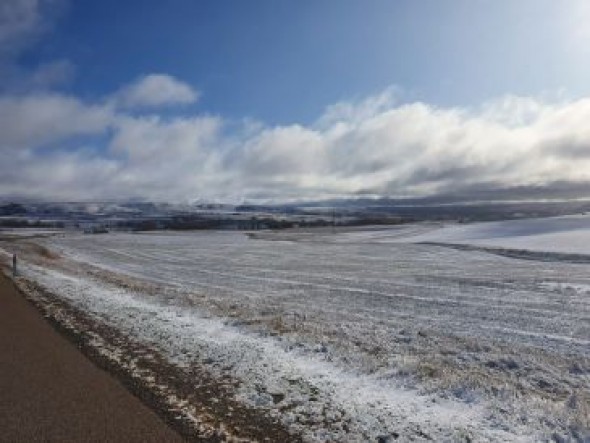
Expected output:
(58, 176)
(19, 19)
(40, 119)
(350, 111)
(22, 23)
(52, 74)
(168, 158)
(155, 90)
(417, 149)
(372, 147)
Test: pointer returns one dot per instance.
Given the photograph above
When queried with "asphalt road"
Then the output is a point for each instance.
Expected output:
(50, 392)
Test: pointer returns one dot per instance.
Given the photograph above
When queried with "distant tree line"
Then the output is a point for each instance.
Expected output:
(12, 209)
(24, 223)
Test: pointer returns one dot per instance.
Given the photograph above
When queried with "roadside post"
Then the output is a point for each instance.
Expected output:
(14, 265)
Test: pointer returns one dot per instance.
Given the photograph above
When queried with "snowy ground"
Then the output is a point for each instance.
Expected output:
(352, 335)
(567, 234)
(28, 232)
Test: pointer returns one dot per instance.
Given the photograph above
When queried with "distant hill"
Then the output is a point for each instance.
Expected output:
(12, 209)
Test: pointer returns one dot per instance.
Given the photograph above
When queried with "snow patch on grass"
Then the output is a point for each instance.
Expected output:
(315, 397)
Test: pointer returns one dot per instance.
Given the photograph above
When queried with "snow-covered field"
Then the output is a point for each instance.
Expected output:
(355, 334)
(567, 234)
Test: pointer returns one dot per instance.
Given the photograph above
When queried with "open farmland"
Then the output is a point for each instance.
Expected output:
(348, 335)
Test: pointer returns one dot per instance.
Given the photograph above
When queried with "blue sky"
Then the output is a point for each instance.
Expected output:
(285, 61)
(373, 90)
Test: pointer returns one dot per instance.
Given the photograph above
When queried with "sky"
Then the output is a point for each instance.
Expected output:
(275, 100)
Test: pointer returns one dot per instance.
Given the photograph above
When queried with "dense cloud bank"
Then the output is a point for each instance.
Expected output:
(58, 147)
